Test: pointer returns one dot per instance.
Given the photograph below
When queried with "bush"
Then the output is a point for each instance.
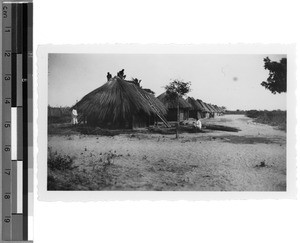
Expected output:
(59, 162)
(273, 118)
(64, 175)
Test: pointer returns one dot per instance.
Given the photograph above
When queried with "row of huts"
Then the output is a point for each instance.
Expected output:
(189, 108)
(121, 103)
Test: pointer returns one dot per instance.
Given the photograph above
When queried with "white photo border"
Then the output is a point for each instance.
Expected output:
(41, 134)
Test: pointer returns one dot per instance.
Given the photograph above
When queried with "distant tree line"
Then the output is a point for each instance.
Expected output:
(273, 118)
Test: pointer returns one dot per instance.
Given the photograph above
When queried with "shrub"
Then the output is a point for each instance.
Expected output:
(273, 118)
(64, 175)
(59, 162)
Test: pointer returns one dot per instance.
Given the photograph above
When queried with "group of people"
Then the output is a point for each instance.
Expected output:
(120, 74)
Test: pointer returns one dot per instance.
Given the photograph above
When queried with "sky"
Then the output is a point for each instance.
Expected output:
(226, 80)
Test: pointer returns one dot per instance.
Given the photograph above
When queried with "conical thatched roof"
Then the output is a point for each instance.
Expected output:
(211, 108)
(195, 104)
(173, 104)
(203, 105)
(116, 100)
(208, 107)
(217, 108)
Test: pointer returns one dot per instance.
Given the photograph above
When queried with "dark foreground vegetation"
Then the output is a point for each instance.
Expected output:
(64, 174)
(273, 118)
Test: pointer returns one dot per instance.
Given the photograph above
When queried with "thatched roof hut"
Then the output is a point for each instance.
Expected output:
(203, 105)
(171, 105)
(194, 104)
(213, 108)
(205, 110)
(197, 111)
(218, 109)
(119, 103)
(209, 109)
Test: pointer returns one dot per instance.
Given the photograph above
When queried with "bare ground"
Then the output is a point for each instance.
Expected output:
(212, 161)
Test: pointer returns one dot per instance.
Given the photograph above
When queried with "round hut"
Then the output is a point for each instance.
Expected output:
(171, 105)
(197, 110)
(119, 104)
(206, 111)
(212, 110)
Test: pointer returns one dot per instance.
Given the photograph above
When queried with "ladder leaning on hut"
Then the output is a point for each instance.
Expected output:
(157, 112)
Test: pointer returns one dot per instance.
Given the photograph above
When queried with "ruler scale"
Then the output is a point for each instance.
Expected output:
(17, 128)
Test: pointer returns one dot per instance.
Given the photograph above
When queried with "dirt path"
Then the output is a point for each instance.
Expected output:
(213, 161)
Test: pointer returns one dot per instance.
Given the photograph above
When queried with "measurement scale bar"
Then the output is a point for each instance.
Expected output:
(17, 129)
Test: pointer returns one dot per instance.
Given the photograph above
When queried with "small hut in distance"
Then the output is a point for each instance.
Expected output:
(206, 111)
(119, 103)
(171, 106)
(197, 110)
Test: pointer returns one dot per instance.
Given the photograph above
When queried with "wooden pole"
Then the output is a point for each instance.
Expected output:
(178, 117)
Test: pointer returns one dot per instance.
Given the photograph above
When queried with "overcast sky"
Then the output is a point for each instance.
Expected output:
(225, 80)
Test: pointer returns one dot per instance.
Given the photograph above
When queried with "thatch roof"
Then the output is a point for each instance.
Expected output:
(218, 108)
(169, 104)
(203, 105)
(195, 104)
(211, 108)
(208, 108)
(116, 100)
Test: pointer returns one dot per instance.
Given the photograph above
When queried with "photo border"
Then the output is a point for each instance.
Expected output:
(41, 134)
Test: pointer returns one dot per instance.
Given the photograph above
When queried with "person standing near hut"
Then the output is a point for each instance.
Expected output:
(74, 117)
(198, 125)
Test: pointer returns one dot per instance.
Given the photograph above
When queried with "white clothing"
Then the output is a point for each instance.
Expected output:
(74, 117)
(74, 121)
(199, 124)
(74, 113)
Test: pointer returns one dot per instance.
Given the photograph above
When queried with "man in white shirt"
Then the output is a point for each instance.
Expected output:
(198, 124)
(74, 117)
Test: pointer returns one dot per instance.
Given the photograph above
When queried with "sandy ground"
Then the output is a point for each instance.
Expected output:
(212, 161)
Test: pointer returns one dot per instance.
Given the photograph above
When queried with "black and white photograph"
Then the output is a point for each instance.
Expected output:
(167, 122)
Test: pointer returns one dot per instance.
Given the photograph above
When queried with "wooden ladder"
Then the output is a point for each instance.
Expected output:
(158, 113)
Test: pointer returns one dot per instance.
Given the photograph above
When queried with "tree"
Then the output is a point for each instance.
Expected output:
(175, 90)
(276, 82)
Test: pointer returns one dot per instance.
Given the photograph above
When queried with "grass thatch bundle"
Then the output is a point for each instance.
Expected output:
(118, 100)
(172, 104)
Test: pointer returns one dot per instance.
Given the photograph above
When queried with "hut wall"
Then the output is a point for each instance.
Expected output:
(172, 115)
(193, 114)
(140, 121)
(185, 115)
(196, 114)
(203, 114)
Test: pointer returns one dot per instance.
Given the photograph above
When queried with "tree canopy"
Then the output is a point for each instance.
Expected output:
(174, 90)
(177, 88)
(276, 82)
